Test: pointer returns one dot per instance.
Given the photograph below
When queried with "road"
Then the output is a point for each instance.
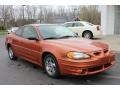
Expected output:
(21, 72)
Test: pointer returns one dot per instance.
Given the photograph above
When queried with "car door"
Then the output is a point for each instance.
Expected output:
(17, 41)
(78, 28)
(31, 48)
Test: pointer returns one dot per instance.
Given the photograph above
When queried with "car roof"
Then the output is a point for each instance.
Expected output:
(76, 22)
(36, 25)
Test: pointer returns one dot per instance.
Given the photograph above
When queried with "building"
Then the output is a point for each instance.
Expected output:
(60, 19)
(110, 19)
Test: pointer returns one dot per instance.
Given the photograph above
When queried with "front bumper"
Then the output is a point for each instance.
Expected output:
(86, 67)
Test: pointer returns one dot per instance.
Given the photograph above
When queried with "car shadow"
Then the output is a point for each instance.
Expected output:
(95, 79)
(97, 39)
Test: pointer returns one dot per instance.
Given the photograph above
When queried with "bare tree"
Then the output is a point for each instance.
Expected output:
(42, 13)
(20, 15)
(90, 13)
(29, 13)
(5, 15)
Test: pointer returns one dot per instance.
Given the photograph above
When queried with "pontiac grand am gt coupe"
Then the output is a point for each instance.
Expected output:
(58, 50)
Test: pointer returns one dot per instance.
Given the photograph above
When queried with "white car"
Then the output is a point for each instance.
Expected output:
(84, 29)
(12, 29)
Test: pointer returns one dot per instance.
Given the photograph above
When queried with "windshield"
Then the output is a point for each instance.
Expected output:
(54, 32)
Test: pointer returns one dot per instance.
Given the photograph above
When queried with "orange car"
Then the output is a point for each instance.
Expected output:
(58, 50)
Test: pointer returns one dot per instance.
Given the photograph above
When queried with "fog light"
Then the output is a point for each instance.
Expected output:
(80, 70)
(83, 71)
(112, 62)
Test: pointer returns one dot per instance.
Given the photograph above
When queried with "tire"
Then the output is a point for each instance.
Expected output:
(11, 54)
(87, 34)
(51, 66)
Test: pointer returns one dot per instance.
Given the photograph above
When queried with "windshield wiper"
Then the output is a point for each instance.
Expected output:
(59, 37)
(68, 36)
(50, 38)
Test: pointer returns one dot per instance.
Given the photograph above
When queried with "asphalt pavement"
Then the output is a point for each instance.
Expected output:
(21, 72)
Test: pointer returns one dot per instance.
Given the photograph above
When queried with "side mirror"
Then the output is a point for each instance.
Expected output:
(33, 38)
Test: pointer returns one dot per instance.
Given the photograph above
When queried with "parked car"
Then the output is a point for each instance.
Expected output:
(58, 50)
(12, 29)
(84, 29)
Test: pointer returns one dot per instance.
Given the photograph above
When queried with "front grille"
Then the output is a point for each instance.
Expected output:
(105, 51)
(107, 65)
(95, 68)
(99, 67)
(97, 53)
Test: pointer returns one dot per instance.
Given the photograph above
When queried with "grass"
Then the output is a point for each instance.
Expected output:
(3, 32)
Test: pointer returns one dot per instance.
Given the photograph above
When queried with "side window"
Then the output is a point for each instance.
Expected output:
(78, 24)
(68, 24)
(29, 32)
(19, 31)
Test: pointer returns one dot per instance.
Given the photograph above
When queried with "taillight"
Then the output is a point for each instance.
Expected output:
(98, 28)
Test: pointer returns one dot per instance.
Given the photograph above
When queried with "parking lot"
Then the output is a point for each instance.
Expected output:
(22, 72)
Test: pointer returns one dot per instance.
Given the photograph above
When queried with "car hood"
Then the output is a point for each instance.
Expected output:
(78, 44)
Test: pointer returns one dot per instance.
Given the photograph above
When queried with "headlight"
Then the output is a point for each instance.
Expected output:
(77, 55)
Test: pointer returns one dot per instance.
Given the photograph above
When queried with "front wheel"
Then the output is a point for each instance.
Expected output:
(51, 66)
(11, 54)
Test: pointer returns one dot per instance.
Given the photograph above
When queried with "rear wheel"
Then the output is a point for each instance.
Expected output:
(51, 66)
(87, 34)
(11, 54)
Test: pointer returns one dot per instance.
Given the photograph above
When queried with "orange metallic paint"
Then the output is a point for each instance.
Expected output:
(32, 51)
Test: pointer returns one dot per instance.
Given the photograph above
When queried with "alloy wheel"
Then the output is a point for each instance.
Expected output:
(50, 66)
(10, 52)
